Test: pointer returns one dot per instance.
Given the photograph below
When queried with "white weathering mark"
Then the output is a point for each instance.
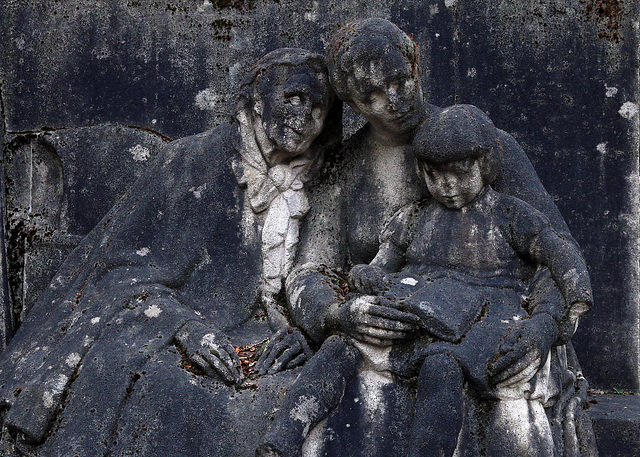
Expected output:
(610, 91)
(143, 251)
(312, 15)
(409, 281)
(209, 340)
(197, 191)
(153, 311)
(53, 389)
(306, 409)
(628, 110)
(72, 359)
(602, 148)
(140, 153)
(207, 99)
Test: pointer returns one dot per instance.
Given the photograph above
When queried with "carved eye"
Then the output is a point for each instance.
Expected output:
(294, 100)
(367, 95)
(463, 167)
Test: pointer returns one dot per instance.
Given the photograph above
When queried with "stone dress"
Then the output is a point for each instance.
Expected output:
(94, 369)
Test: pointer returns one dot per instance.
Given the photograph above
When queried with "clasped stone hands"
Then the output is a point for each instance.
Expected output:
(521, 353)
(208, 348)
(287, 348)
(364, 318)
(523, 350)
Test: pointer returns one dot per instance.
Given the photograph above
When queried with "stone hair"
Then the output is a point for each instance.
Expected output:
(457, 133)
(283, 57)
(365, 40)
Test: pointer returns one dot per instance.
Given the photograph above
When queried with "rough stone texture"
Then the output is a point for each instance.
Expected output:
(561, 76)
(170, 276)
(59, 185)
(616, 421)
(6, 324)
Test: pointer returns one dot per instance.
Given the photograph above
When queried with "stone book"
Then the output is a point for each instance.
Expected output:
(445, 314)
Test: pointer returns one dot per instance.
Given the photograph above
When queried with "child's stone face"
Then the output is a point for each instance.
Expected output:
(454, 184)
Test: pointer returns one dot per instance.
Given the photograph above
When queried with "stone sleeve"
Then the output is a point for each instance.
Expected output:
(311, 291)
(533, 236)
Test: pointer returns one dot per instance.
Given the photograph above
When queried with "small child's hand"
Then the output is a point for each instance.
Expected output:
(367, 279)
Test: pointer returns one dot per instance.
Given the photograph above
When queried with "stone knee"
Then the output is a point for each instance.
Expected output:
(317, 390)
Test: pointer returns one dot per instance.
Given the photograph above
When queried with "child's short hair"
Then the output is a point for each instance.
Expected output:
(457, 133)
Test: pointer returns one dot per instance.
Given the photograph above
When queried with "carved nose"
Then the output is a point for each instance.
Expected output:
(394, 99)
(448, 182)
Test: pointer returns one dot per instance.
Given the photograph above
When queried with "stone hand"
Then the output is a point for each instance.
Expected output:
(210, 350)
(287, 349)
(367, 279)
(523, 349)
(364, 319)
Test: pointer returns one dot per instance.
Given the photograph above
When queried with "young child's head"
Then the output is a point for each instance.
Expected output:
(458, 154)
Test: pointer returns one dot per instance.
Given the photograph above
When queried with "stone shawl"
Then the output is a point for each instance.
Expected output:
(276, 195)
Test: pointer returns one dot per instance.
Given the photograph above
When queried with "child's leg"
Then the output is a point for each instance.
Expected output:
(439, 408)
(317, 390)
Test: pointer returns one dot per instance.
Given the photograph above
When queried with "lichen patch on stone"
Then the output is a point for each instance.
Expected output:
(53, 389)
(610, 91)
(72, 359)
(140, 153)
(207, 99)
(153, 311)
(197, 191)
(628, 110)
(305, 409)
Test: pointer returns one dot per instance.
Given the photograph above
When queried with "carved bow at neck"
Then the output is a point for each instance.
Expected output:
(276, 193)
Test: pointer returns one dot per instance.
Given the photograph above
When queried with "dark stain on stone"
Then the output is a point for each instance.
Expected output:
(222, 29)
(186, 363)
(608, 14)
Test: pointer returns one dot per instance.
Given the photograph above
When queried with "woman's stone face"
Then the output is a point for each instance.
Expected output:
(387, 93)
(295, 103)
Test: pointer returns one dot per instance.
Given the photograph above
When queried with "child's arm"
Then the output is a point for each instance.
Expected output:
(394, 240)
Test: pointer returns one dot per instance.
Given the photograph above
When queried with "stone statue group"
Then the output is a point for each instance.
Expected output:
(409, 292)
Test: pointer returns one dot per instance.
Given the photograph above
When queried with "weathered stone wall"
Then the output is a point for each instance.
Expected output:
(90, 89)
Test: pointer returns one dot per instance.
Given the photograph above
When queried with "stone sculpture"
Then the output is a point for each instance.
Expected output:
(177, 262)
(460, 266)
(374, 69)
(192, 261)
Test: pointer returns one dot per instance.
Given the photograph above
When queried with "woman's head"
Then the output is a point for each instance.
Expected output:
(373, 66)
(288, 91)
